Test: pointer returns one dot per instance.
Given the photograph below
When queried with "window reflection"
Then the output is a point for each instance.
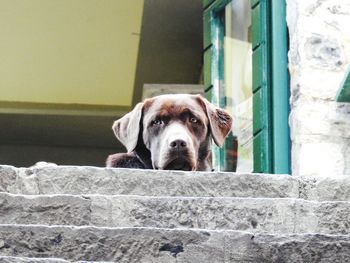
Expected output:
(238, 85)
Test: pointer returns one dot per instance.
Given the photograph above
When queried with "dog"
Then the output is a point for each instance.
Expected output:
(170, 132)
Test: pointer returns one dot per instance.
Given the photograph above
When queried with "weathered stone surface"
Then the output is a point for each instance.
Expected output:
(318, 59)
(324, 153)
(267, 215)
(8, 176)
(256, 215)
(337, 189)
(322, 217)
(274, 215)
(247, 214)
(162, 245)
(334, 217)
(81, 180)
(275, 221)
(4, 259)
(92, 180)
(288, 249)
(48, 210)
(7, 259)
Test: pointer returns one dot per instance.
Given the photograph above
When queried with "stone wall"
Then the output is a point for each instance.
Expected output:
(318, 58)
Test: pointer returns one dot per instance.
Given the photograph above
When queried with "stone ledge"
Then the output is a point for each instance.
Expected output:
(5, 259)
(258, 215)
(52, 179)
(164, 245)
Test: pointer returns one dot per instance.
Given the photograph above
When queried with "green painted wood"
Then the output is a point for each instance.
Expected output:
(254, 2)
(213, 22)
(217, 29)
(257, 111)
(206, 29)
(262, 116)
(207, 68)
(344, 91)
(230, 153)
(256, 25)
(217, 6)
(258, 153)
(208, 94)
(262, 157)
(267, 88)
(258, 68)
(213, 56)
(280, 89)
(206, 3)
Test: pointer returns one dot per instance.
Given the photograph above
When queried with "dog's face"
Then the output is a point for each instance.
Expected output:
(175, 129)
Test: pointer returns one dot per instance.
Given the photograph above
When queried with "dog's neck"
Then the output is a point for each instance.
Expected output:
(204, 154)
(144, 155)
(141, 151)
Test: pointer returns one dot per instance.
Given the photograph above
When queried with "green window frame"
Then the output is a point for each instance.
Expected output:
(271, 141)
(344, 91)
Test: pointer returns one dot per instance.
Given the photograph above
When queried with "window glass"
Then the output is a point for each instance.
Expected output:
(238, 85)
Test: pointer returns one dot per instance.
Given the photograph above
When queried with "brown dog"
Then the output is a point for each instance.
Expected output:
(170, 132)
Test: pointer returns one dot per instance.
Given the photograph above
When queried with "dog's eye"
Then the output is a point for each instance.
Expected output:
(157, 122)
(193, 120)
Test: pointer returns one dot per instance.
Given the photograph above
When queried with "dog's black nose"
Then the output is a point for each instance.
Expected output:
(178, 144)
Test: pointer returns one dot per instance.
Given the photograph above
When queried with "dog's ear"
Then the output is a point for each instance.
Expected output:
(127, 128)
(220, 122)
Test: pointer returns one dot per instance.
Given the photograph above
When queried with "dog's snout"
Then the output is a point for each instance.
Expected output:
(178, 144)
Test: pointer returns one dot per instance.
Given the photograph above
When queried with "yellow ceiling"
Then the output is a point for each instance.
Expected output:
(71, 52)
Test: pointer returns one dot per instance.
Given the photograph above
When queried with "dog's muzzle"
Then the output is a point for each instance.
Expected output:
(177, 150)
(179, 156)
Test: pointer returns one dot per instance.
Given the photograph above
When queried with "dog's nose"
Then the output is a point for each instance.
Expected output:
(178, 144)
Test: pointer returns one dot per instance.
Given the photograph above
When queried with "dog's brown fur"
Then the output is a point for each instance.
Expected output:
(170, 132)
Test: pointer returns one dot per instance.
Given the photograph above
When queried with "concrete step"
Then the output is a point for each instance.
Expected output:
(52, 179)
(164, 245)
(258, 215)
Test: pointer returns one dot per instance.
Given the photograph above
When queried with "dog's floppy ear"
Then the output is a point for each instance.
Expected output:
(127, 128)
(220, 122)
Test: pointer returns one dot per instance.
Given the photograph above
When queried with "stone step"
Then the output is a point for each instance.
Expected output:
(8, 259)
(164, 245)
(272, 215)
(5, 259)
(52, 179)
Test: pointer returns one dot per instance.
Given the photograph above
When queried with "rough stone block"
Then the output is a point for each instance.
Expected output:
(258, 215)
(8, 176)
(81, 180)
(318, 59)
(163, 245)
(331, 189)
(4, 259)
(46, 210)
(315, 158)
(92, 180)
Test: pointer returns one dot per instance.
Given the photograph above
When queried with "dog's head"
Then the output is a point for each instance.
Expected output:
(175, 129)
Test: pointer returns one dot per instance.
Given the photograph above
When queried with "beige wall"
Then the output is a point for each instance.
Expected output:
(72, 52)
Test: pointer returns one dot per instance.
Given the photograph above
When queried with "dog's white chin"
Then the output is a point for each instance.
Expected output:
(180, 163)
